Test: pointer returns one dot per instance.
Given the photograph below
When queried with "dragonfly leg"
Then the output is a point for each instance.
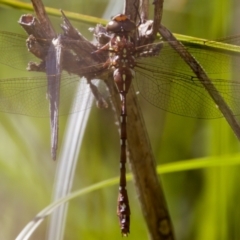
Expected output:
(100, 101)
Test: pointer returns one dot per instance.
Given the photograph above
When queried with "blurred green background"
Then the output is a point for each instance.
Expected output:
(204, 204)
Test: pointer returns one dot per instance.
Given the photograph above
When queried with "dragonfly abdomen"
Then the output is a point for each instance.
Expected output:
(122, 61)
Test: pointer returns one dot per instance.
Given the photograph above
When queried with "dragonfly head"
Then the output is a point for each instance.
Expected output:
(121, 24)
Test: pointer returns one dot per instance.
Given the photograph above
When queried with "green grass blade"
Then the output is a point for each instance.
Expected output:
(186, 165)
(54, 12)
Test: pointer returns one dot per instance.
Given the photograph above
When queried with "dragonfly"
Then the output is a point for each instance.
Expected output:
(160, 75)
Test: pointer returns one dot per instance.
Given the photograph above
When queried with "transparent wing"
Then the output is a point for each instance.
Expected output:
(168, 83)
(165, 81)
(28, 96)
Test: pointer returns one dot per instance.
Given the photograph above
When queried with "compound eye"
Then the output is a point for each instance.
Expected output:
(120, 23)
(113, 26)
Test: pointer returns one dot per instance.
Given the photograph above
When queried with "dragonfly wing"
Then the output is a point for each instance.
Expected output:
(167, 82)
(14, 52)
(28, 96)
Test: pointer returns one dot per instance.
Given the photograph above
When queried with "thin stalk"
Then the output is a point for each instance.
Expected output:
(54, 12)
(203, 78)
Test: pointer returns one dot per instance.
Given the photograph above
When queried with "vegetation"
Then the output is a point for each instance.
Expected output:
(199, 159)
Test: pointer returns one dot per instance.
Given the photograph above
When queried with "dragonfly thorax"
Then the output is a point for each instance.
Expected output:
(122, 61)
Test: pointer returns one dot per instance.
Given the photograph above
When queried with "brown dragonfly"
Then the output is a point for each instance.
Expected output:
(159, 73)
